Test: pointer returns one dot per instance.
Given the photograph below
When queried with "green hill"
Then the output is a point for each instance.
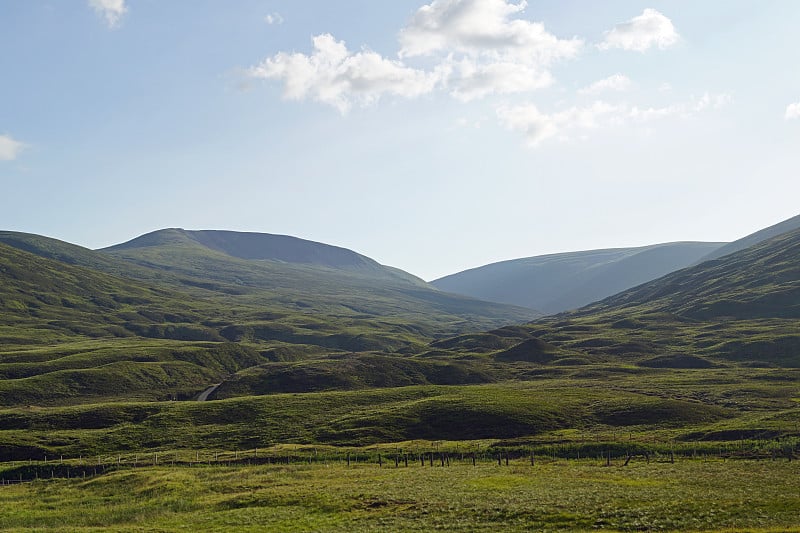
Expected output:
(740, 309)
(762, 281)
(255, 247)
(79, 325)
(92, 362)
(559, 282)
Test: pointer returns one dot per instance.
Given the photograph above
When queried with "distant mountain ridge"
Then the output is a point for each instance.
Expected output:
(256, 246)
(760, 281)
(282, 276)
(755, 238)
(558, 282)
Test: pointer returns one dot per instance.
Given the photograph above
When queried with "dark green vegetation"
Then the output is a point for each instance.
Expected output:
(101, 353)
(559, 282)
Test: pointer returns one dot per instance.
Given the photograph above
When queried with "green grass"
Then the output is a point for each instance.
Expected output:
(562, 495)
(671, 406)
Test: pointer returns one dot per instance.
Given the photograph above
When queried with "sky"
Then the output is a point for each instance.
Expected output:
(430, 135)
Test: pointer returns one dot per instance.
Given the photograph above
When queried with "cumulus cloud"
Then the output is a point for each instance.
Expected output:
(477, 48)
(792, 111)
(111, 10)
(486, 49)
(334, 75)
(617, 82)
(649, 29)
(538, 126)
(482, 28)
(9, 148)
(274, 18)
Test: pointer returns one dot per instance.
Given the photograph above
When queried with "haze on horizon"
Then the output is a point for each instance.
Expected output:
(430, 135)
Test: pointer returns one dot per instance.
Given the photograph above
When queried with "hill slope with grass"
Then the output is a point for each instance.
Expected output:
(741, 309)
(761, 281)
(559, 282)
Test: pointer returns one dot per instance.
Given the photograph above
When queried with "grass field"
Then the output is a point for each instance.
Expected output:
(583, 495)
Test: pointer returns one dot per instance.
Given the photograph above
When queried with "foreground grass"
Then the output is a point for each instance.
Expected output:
(563, 495)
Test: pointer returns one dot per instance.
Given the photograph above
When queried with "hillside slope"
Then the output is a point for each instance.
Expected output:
(741, 309)
(258, 246)
(559, 282)
(755, 238)
(761, 281)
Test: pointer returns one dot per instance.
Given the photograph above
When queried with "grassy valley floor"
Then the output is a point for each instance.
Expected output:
(553, 495)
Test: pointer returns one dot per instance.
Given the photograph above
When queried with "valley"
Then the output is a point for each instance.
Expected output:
(105, 353)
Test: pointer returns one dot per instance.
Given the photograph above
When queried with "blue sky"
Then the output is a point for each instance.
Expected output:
(430, 135)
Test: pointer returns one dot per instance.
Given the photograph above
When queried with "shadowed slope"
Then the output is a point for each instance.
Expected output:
(755, 238)
(558, 282)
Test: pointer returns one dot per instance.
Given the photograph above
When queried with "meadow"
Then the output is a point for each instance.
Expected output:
(552, 495)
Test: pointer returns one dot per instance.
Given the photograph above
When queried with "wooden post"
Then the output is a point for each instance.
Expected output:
(506, 458)
(441, 457)
(473, 459)
(499, 459)
(348, 458)
(533, 458)
(405, 458)
(608, 458)
(422, 458)
(380, 461)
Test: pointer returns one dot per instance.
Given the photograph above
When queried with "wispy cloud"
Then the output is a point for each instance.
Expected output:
(538, 126)
(792, 111)
(641, 33)
(274, 18)
(617, 82)
(10, 148)
(112, 11)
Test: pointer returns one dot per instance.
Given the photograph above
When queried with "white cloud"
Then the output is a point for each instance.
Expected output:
(111, 10)
(483, 48)
(617, 82)
(336, 76)
(538, 126)
(471, 80)
(10, 148)
(482, 27)
(792, 111)
(477, 48)
(274, 18)
(649, 29)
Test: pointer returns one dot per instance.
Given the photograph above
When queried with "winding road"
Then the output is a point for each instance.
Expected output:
(203, 396)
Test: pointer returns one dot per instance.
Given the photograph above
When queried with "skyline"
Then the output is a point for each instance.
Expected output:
(431, 136)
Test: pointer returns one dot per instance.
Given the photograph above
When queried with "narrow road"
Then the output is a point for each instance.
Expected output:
(203, 396)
